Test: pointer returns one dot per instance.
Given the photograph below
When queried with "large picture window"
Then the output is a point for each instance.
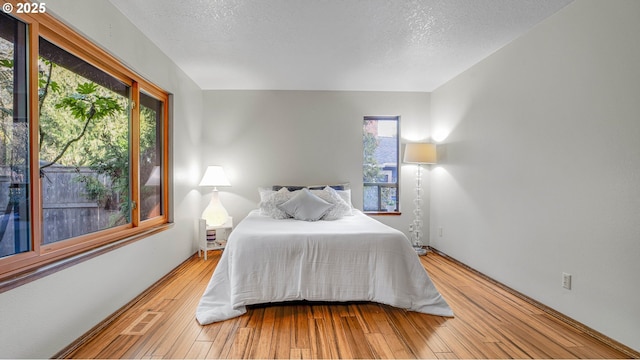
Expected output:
(380, 164)
(83, 146)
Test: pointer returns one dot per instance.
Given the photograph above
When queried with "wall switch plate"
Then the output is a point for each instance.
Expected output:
(566, 281)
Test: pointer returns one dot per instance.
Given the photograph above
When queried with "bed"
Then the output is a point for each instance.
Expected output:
(350, 258)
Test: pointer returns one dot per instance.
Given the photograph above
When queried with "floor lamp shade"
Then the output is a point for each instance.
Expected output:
(215, 214)
(420, 153)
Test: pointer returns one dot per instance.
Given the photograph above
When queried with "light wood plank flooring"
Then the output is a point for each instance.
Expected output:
(490, 322)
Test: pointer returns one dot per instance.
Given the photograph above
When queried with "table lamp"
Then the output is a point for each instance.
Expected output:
(215, 214)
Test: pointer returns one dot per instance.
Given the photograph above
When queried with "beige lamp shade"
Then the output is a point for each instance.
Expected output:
(420, 153)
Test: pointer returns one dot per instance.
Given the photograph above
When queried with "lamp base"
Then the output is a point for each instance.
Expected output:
(420, 250)
(215, 214)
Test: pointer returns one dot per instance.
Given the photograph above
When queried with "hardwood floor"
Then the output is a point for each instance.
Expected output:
(490, 322)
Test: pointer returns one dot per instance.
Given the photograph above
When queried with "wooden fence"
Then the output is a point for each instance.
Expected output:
(66, 211)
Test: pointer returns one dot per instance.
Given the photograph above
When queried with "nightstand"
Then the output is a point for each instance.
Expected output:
(213, 237)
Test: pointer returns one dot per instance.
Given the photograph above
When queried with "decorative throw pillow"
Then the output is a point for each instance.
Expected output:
(265, 193)
(340, 208)
(269, 206)
(346, 196)
(305, 206)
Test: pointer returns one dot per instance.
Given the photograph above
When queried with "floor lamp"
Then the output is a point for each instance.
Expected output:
(420, 154)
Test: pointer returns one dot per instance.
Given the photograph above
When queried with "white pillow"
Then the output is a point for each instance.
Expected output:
(345, 195)
(265, 194)
(269, 206)
(340, 208)
(305, 206)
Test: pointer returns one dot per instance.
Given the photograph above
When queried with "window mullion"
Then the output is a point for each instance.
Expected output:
(34, 135)
(135, 154)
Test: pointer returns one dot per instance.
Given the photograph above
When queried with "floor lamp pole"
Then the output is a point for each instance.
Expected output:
(417, 222)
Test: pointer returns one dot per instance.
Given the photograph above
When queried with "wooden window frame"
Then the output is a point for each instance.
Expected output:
(45, 255)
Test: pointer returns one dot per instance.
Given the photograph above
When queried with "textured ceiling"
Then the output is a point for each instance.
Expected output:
(371, 45)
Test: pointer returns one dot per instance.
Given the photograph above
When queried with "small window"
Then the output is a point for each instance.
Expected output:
(380, 164)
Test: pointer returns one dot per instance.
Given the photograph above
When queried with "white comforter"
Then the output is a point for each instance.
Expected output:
(355, 258)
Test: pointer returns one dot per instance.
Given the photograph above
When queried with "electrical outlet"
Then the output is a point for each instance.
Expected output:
(440, 231)
(411, 228)
(566, 281)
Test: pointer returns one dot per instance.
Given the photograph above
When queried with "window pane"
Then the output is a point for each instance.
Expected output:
(380, 163)
(14, 139)
(151, 115)
(84, 146)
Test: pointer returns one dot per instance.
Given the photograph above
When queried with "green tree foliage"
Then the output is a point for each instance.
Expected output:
(371, 170)
(12, 134)
(73, 107)
(86, 107)
(148, 147)
(81, 124)
(85, 124)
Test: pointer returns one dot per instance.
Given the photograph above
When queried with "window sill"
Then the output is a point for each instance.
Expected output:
(383, 213)
(62, 264)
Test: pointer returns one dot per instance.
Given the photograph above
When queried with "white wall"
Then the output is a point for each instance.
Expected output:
(540, 170)
(42, 317)
(303, 137)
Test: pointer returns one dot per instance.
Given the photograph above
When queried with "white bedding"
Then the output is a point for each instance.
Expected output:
(355, 258)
